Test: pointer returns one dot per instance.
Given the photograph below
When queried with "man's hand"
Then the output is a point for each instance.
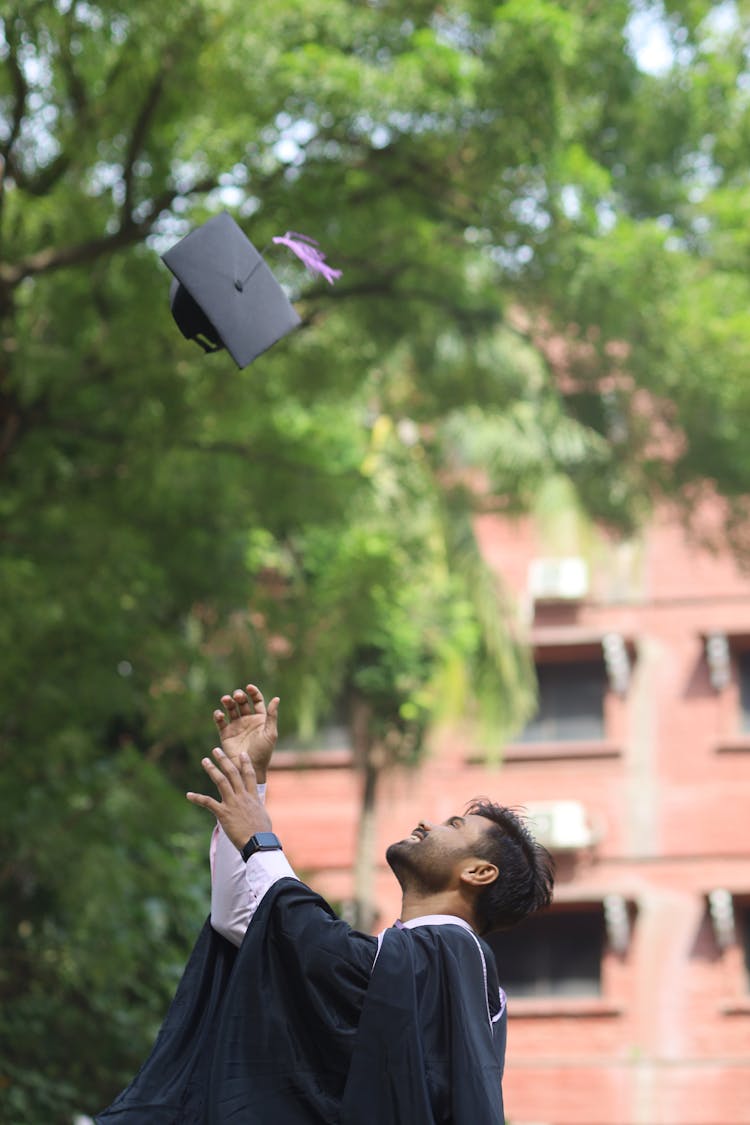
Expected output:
(248, 728)
(239, 811)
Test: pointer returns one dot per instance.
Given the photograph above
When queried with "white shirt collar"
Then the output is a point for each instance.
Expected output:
(437, 920)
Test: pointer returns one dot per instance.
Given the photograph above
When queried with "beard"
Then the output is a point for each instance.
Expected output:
(417, 867)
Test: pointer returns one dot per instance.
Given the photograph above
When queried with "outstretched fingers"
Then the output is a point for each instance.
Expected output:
(204, 802)
(226, 777)
(247, 774)
(256, 696)
(242, 702)
(220, 781)
(272, 718)
(239, 703)
(231, 707)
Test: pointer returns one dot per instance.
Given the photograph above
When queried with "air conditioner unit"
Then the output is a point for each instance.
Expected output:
(558, 579)
(559, 825)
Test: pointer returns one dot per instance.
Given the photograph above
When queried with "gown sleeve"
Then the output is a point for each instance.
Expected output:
(259, 1034)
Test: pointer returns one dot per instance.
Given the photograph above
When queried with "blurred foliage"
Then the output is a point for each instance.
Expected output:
(545, 252)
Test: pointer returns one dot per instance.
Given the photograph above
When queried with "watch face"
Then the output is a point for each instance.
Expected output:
(261, 842)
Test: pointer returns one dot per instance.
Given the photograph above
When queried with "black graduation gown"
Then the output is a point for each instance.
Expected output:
(298, 1028)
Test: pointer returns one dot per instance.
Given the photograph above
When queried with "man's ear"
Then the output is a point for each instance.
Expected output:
(479, 873)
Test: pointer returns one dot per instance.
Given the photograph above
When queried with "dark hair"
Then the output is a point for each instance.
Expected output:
(526, 869)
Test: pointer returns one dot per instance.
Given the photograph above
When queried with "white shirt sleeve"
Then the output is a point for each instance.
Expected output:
(237, 887)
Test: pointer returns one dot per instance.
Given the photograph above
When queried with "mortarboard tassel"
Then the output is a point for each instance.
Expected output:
(309, 253)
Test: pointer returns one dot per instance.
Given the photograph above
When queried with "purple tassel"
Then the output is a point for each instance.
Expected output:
(309, 253)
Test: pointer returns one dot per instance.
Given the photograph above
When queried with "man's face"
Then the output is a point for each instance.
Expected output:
(430, 859)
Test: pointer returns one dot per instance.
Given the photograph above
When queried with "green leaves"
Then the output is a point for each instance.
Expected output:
(544, 249)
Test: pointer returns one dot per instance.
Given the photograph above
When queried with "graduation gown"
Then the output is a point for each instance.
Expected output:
(313, 1023)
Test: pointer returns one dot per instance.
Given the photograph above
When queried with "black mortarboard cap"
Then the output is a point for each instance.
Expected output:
(224, 295)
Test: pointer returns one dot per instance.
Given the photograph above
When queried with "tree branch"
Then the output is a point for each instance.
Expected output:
(236, 449)
(76, 88)
(20, 91)
(47, 177)
(138, 136)
(128, 233)
(383, 286)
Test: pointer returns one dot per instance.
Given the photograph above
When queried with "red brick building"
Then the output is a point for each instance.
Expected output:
(629, 1000)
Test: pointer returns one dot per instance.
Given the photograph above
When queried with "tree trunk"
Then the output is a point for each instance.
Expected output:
(367, 761)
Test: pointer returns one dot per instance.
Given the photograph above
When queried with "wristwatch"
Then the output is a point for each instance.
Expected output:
(261, 842)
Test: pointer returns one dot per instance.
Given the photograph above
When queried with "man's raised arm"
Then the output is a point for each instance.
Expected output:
(236, 887)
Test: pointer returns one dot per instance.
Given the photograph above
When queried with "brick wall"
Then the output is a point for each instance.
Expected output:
(668, 799)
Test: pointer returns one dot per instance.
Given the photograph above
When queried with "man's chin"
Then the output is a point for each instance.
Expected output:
(409, 861)
(397, 855)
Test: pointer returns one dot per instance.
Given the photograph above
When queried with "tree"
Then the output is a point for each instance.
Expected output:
(389, 620)
(544, 256)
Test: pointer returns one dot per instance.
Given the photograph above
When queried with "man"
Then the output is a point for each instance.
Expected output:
(287, 1016)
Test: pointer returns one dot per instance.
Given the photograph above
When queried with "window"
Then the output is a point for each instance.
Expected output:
(571, 703)
(556, 953)
(743, 926)
(743, 671)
